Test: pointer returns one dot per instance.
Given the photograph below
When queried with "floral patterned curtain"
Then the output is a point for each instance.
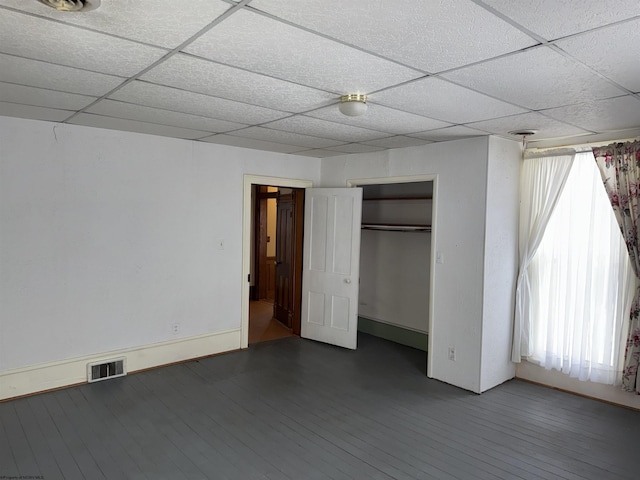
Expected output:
(619, 165)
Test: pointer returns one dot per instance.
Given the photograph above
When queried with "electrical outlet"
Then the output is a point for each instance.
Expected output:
(452, 354)
(175, 328)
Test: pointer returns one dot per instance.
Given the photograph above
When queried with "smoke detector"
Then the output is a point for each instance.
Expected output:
(72, 5)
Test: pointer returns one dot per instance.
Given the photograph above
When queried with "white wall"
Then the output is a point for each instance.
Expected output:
(459, 235)
(500, 260)
(110, 238)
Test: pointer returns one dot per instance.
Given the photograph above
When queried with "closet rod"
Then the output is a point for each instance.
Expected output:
(396, 228)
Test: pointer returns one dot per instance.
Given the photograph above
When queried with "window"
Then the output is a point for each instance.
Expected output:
(581, 283)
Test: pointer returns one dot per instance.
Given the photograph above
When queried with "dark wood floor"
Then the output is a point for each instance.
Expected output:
(262, 325)
(295, 409)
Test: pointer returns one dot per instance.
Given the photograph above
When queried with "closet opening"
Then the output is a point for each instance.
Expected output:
(396, 261)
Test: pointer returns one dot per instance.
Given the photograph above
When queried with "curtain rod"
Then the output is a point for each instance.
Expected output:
(580, 147)
(555, 152)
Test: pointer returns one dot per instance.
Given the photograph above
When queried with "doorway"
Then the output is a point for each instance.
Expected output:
(250, 181)
(276, 266)
(248, 206)
(397, 257)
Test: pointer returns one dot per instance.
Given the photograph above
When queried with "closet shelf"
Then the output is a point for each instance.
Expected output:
(390, 227)
(378, 199)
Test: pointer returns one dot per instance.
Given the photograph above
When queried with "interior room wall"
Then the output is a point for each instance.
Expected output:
(113, 240)
(500, 260)
(460, 219)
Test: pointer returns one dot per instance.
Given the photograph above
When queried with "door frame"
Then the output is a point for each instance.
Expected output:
(247, 218)
(359, 182)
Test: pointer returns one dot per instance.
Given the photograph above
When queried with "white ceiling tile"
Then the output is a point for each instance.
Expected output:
(202, 76)
(279, 79)
(449, 133)
(90, 120)
(612, 51)
(34, 113)
(553, 19)
(41, 39)
(605, 115)
(263, 45)
(168, 98)
(354, 148)
(440, 99)
(546, 127)
(538, 78)
(398, 141)
(10, 92)
(251, 143)
(112, 108)
(279, 136)
(380, 118)
(434, 36)
(321, 128)
(319, 153)
(55, 77)
(161, 22)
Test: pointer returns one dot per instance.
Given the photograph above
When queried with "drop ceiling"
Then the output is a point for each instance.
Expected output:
(268, 74)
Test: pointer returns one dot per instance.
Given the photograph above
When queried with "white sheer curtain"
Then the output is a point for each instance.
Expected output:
(542, 179)
(581, 283)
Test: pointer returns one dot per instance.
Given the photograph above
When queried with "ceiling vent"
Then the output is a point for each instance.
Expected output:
(72, 5)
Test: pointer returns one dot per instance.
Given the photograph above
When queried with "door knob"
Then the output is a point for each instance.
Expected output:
(347, 280)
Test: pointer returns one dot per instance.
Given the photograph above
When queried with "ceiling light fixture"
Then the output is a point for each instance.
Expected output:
(72, 5)
(353, 105)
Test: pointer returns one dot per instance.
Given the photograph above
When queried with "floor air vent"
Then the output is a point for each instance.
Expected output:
(104, 370)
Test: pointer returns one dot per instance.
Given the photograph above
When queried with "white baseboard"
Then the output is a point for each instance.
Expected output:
(555, 379)
(38, 378)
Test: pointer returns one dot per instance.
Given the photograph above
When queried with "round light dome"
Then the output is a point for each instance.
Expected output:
(72, 5)
(353, 105)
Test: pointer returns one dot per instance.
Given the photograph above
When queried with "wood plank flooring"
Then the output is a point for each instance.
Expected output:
(296, 409)
(262, 325)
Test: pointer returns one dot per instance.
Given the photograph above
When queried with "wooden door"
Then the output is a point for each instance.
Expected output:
(331, 265)
(264, 281)
(289, 248)
(282, 306)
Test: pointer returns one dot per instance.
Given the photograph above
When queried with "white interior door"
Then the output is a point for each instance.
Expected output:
(331, 265)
